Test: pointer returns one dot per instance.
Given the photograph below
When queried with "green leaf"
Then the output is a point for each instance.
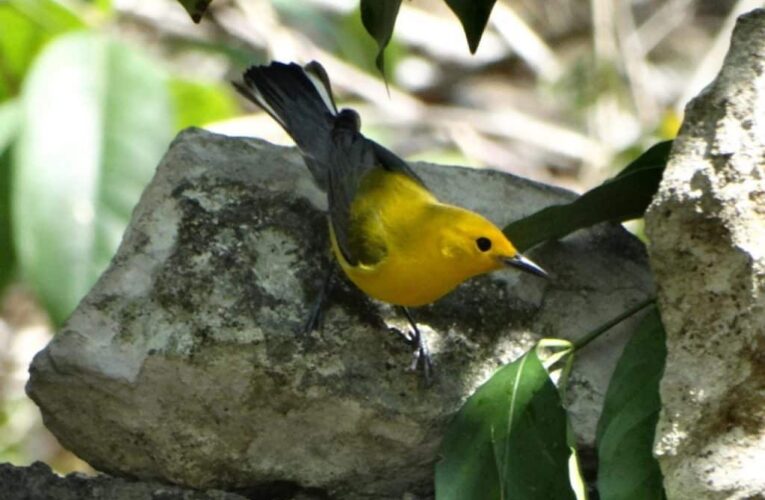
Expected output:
(105, 6)
(473, 14)
(623, 197)
(509, 440)
(18, 46)
(95, 120)
(9, 120)
(627, 468)
(351, 41)
(196, 8)
(26, 26)
(197, 103)
(575, 476)
(557, 356)
(379, 18)
(9, 123)
(51, 16)
(7, 254)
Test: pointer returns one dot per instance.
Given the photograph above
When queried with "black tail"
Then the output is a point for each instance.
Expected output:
(300, 100)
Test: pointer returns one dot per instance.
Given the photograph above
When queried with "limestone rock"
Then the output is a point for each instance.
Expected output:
(183, 362)
(707, 228)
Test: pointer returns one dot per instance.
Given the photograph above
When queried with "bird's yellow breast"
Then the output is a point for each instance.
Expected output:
(418, 265)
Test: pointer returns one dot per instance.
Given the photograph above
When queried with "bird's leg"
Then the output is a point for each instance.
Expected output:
(421, 353)
(316, 316)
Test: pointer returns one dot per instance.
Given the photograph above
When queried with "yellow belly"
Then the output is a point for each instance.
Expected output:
(398, 281)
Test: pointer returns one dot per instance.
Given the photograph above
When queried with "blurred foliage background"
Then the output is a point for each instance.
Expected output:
(92, 92)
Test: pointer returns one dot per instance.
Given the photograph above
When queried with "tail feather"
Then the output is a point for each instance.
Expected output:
(320, 80)
(300, 100)
(254, 95)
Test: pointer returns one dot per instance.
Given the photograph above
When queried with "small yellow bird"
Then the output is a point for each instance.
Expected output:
(389, 233)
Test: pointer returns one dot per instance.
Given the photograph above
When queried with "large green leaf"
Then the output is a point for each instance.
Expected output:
(7, 254)
(351, 41)
(26, 25)
(50, 15)
(379, 18)
(9, 118)
(95, 121)
(196, 8)
(509, 440)
(623, 197)
(9, 123)
(557, 356)
(197, 103)
(473, 14)
(627, 468)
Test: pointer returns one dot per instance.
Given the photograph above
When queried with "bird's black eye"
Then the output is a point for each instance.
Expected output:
(484, 244)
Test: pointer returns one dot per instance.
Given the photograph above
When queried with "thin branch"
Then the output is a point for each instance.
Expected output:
(661, 23)
(713, 59)
(589, 337)
(525, 42)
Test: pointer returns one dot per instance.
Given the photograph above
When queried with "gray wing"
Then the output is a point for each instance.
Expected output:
(354, 156)
(389, 161)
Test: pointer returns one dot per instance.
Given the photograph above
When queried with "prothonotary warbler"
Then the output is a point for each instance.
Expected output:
(389, 233)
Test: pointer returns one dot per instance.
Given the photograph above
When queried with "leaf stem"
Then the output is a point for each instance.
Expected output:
(580, 343)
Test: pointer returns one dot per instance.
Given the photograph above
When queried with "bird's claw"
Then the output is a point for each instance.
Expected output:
(421, 359)
(314, 321)
(316, 317)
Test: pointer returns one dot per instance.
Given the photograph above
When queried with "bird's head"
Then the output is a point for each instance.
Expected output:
(476, 246)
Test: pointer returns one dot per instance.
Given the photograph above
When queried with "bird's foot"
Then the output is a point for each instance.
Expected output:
(421, 358)
(315, 319)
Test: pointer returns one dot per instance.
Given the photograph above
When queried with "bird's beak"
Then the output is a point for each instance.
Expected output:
(525, 264)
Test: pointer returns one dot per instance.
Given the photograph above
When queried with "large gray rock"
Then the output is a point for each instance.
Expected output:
(707, 228)
(183, 363)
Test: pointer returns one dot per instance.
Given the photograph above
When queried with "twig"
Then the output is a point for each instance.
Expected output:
(636, 67)
(514, 124)
(713, 59)
(580, 343)
(525, 42)
(661, 23)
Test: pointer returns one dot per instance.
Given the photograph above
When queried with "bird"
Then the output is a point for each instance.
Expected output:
(389, 233)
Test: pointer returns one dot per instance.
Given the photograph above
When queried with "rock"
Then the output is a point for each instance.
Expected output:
(183, 362)
(707, 228)
(38, 482)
